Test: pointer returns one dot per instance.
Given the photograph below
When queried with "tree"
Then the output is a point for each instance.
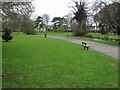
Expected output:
(58, 22)
(45, 22)
(109, 15)
(46, 19)
(80, 15)
(28, 27)
(16, 15)
(6, 35)
(101, 28)
(38, 22)
(67, 24)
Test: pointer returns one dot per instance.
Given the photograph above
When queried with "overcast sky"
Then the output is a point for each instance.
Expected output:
(51, 7)
(54, 8)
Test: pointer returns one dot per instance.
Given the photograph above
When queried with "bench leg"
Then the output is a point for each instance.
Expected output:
(84, 47)
(87, 48)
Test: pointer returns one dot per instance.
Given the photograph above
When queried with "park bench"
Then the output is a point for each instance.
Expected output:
(84, 44)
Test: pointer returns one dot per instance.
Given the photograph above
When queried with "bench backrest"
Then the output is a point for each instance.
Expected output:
(83, 43)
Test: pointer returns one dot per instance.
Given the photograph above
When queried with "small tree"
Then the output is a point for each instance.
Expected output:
(6, 36)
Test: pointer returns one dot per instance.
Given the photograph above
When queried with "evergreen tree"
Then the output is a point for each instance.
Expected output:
(6, 35)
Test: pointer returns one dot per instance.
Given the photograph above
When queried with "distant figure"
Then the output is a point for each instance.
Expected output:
(45, 35)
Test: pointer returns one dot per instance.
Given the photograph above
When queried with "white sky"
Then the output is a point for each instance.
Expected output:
(54, 8)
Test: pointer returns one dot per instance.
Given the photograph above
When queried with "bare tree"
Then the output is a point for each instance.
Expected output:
(46, 19)
(45, 22)
(68, 19)
(80, 15)
(14, 14)
(23, 8)
(109, 15)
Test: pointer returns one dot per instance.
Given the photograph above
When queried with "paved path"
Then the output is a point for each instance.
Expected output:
(104, 48)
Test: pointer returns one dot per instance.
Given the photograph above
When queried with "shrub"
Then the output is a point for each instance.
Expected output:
(30, 31)
(79, 33)
(6, 35)
(88, 36)
(60, 29)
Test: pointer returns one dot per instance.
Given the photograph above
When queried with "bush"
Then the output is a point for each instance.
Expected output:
(6, 35)
(60, 29)
(30, 31)
(88, 36)
(79, 33)
(102, 32)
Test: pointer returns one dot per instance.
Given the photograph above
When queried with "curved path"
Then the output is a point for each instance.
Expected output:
(104, 48)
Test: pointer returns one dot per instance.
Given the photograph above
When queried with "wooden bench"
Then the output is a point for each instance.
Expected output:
(84, 44)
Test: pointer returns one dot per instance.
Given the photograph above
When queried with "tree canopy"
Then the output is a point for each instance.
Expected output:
(80, 15)
(110, 17)
(16, 15)
(58, 22)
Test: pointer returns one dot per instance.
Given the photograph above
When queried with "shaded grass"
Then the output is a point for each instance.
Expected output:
(38, 62)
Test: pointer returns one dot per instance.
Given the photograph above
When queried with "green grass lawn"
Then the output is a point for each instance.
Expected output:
(104, 36)
(57, 33)
(115, 43)
(38, 62)
(70, 35)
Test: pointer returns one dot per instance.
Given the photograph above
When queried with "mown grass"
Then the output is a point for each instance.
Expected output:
(115, 43)
(38, 62)
(105, 36)
(70, 35)
(57, 33)
(93, 34)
